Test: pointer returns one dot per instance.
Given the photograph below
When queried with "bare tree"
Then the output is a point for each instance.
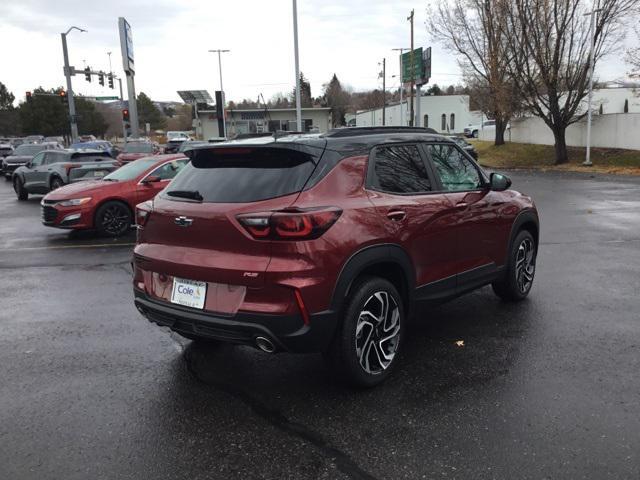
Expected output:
(633, 56)
(549, 55)
(473, 30)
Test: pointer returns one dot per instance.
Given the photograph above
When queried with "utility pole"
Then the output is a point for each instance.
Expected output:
(224, 123)
(413, 79)
(384, 90)
(67, 73)
(295, 53)
(587, 162)
(110, 69)
(402, 116)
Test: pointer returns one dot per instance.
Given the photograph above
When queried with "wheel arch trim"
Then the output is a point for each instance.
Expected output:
(367, 257)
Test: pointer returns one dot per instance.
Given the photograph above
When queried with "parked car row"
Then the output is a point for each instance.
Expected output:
(306, 243)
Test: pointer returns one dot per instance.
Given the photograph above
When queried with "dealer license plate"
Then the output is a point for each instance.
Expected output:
(189, 293)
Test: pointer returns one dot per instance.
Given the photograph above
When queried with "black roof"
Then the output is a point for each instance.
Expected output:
(352, 140)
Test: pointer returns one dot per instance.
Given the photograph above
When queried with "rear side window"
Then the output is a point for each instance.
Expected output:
(399, 169)
(238, 175)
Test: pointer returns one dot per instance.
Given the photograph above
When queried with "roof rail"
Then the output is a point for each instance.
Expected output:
(357, 131)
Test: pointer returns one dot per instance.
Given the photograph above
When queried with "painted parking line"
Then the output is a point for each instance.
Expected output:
(69, 247)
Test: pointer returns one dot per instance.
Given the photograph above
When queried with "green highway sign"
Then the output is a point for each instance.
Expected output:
(418, 66)
(421, 66)
(107, 98)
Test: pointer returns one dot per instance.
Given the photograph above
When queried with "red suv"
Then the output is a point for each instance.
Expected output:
(324, 243)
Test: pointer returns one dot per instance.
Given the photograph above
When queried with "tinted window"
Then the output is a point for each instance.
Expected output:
(244, 174)
(55, 157)
(456, 171)
(399, 169)
(90, 156)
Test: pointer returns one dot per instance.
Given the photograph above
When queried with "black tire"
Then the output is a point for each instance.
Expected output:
(344, 357)
(113, 219)
(18, 187)
(517, 281)
(56, 182)
(475, 134)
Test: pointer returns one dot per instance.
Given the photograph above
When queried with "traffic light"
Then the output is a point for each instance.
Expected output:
(87, 74)
(125, 114)
(28, 95)
(63, 97)
(110, 78)
(101, 79)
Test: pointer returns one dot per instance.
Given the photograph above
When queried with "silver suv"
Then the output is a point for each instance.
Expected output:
(52, 169)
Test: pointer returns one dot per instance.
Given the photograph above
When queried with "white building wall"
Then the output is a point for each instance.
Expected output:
(433, 106)
(615, 130)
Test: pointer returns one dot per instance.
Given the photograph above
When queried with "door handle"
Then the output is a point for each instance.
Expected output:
(396, 215)
(461, 205)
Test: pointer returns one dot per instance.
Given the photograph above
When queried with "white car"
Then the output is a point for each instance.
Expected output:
(474, 130)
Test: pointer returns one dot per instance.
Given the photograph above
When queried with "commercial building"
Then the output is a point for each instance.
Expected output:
(259, 120)
(443, 113)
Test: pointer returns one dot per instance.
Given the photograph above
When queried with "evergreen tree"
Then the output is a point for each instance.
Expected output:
(149, 113)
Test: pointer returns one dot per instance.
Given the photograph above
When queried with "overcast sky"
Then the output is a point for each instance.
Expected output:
(171, 39)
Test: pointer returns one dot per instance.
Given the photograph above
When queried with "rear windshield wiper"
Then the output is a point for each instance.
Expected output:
(192, 194)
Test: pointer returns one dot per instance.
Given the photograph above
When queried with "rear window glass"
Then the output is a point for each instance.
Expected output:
(89, 157)
(243, 174)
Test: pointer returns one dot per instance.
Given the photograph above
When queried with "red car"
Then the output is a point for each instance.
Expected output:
(108, 204)
(324, 243)
(135, 150)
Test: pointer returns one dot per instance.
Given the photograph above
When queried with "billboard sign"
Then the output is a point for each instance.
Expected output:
(126, 46)
(421, 66)
(407, 75)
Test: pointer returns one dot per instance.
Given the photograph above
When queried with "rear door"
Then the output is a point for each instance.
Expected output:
(203, 240)
(402, 188)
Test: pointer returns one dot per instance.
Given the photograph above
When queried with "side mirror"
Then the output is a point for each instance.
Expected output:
(29, 164)
(151, 179)
(499, 182)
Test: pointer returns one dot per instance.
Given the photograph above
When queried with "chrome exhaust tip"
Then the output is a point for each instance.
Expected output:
(265, 344)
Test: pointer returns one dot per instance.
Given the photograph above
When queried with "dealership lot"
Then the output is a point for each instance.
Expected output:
(548, 388)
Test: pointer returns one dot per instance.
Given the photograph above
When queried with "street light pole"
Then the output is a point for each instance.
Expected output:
(224, 123)
(402, 117)
(587, 162)
(67, 74)
(295, 53)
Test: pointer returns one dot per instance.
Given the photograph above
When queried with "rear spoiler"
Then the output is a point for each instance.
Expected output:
(203, 156)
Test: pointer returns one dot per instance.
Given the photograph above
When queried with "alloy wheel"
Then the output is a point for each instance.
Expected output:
(115, 220)
(378, 332)
(525, 265)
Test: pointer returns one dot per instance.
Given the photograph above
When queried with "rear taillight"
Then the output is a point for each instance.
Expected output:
(143, 212)
(303, 224)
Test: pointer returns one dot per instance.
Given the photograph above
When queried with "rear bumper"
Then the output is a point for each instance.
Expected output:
(288, 332)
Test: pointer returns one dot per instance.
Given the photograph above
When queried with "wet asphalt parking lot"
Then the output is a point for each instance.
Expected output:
(548, 388)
